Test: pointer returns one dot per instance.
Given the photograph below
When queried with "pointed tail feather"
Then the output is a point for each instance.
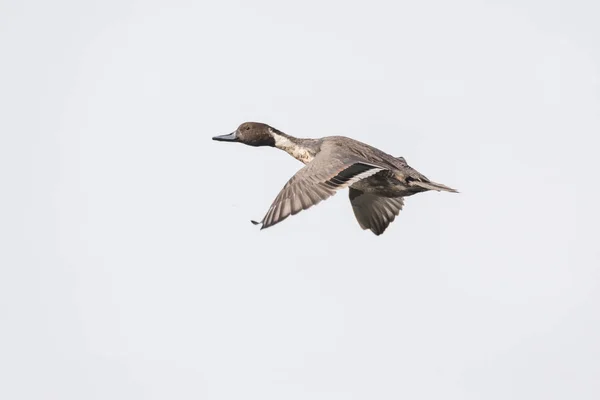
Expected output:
(433, 186)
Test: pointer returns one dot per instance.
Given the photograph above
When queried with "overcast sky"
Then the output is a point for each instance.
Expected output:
(129, 268)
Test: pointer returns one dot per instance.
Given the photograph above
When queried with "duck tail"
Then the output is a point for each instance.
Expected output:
(433, 186)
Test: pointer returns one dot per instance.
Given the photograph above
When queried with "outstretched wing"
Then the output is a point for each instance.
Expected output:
(317, 181)
(374, 212)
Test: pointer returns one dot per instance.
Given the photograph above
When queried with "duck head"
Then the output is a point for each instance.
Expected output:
(250, 133)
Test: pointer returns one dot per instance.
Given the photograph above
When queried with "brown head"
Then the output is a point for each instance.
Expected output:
(250, 133)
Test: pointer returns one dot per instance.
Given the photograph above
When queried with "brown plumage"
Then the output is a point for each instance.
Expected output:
(378, 181)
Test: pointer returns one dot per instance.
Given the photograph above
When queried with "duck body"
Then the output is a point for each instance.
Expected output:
(378, 182)
(392, 181)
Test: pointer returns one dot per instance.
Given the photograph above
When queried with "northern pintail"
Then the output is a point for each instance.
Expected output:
(378, 182)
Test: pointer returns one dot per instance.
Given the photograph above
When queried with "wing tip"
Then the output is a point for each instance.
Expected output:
(261, 223)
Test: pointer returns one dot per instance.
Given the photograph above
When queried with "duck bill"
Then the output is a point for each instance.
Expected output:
(232, 137)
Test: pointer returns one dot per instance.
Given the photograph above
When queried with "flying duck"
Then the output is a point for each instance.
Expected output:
(378, 182)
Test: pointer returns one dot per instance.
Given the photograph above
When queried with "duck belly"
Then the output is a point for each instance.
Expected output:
(385, 185)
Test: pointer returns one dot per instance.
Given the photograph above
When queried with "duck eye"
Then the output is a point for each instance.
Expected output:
(247, 128)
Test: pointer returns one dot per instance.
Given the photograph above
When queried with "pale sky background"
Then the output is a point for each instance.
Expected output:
(129, 268)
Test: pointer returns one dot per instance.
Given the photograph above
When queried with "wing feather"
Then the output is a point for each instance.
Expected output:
(317, 181)
(374, 212)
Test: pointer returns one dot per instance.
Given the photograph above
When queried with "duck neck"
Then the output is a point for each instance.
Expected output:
(303, 150)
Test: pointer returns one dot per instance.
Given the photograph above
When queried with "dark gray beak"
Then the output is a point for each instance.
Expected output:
(232, 137)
